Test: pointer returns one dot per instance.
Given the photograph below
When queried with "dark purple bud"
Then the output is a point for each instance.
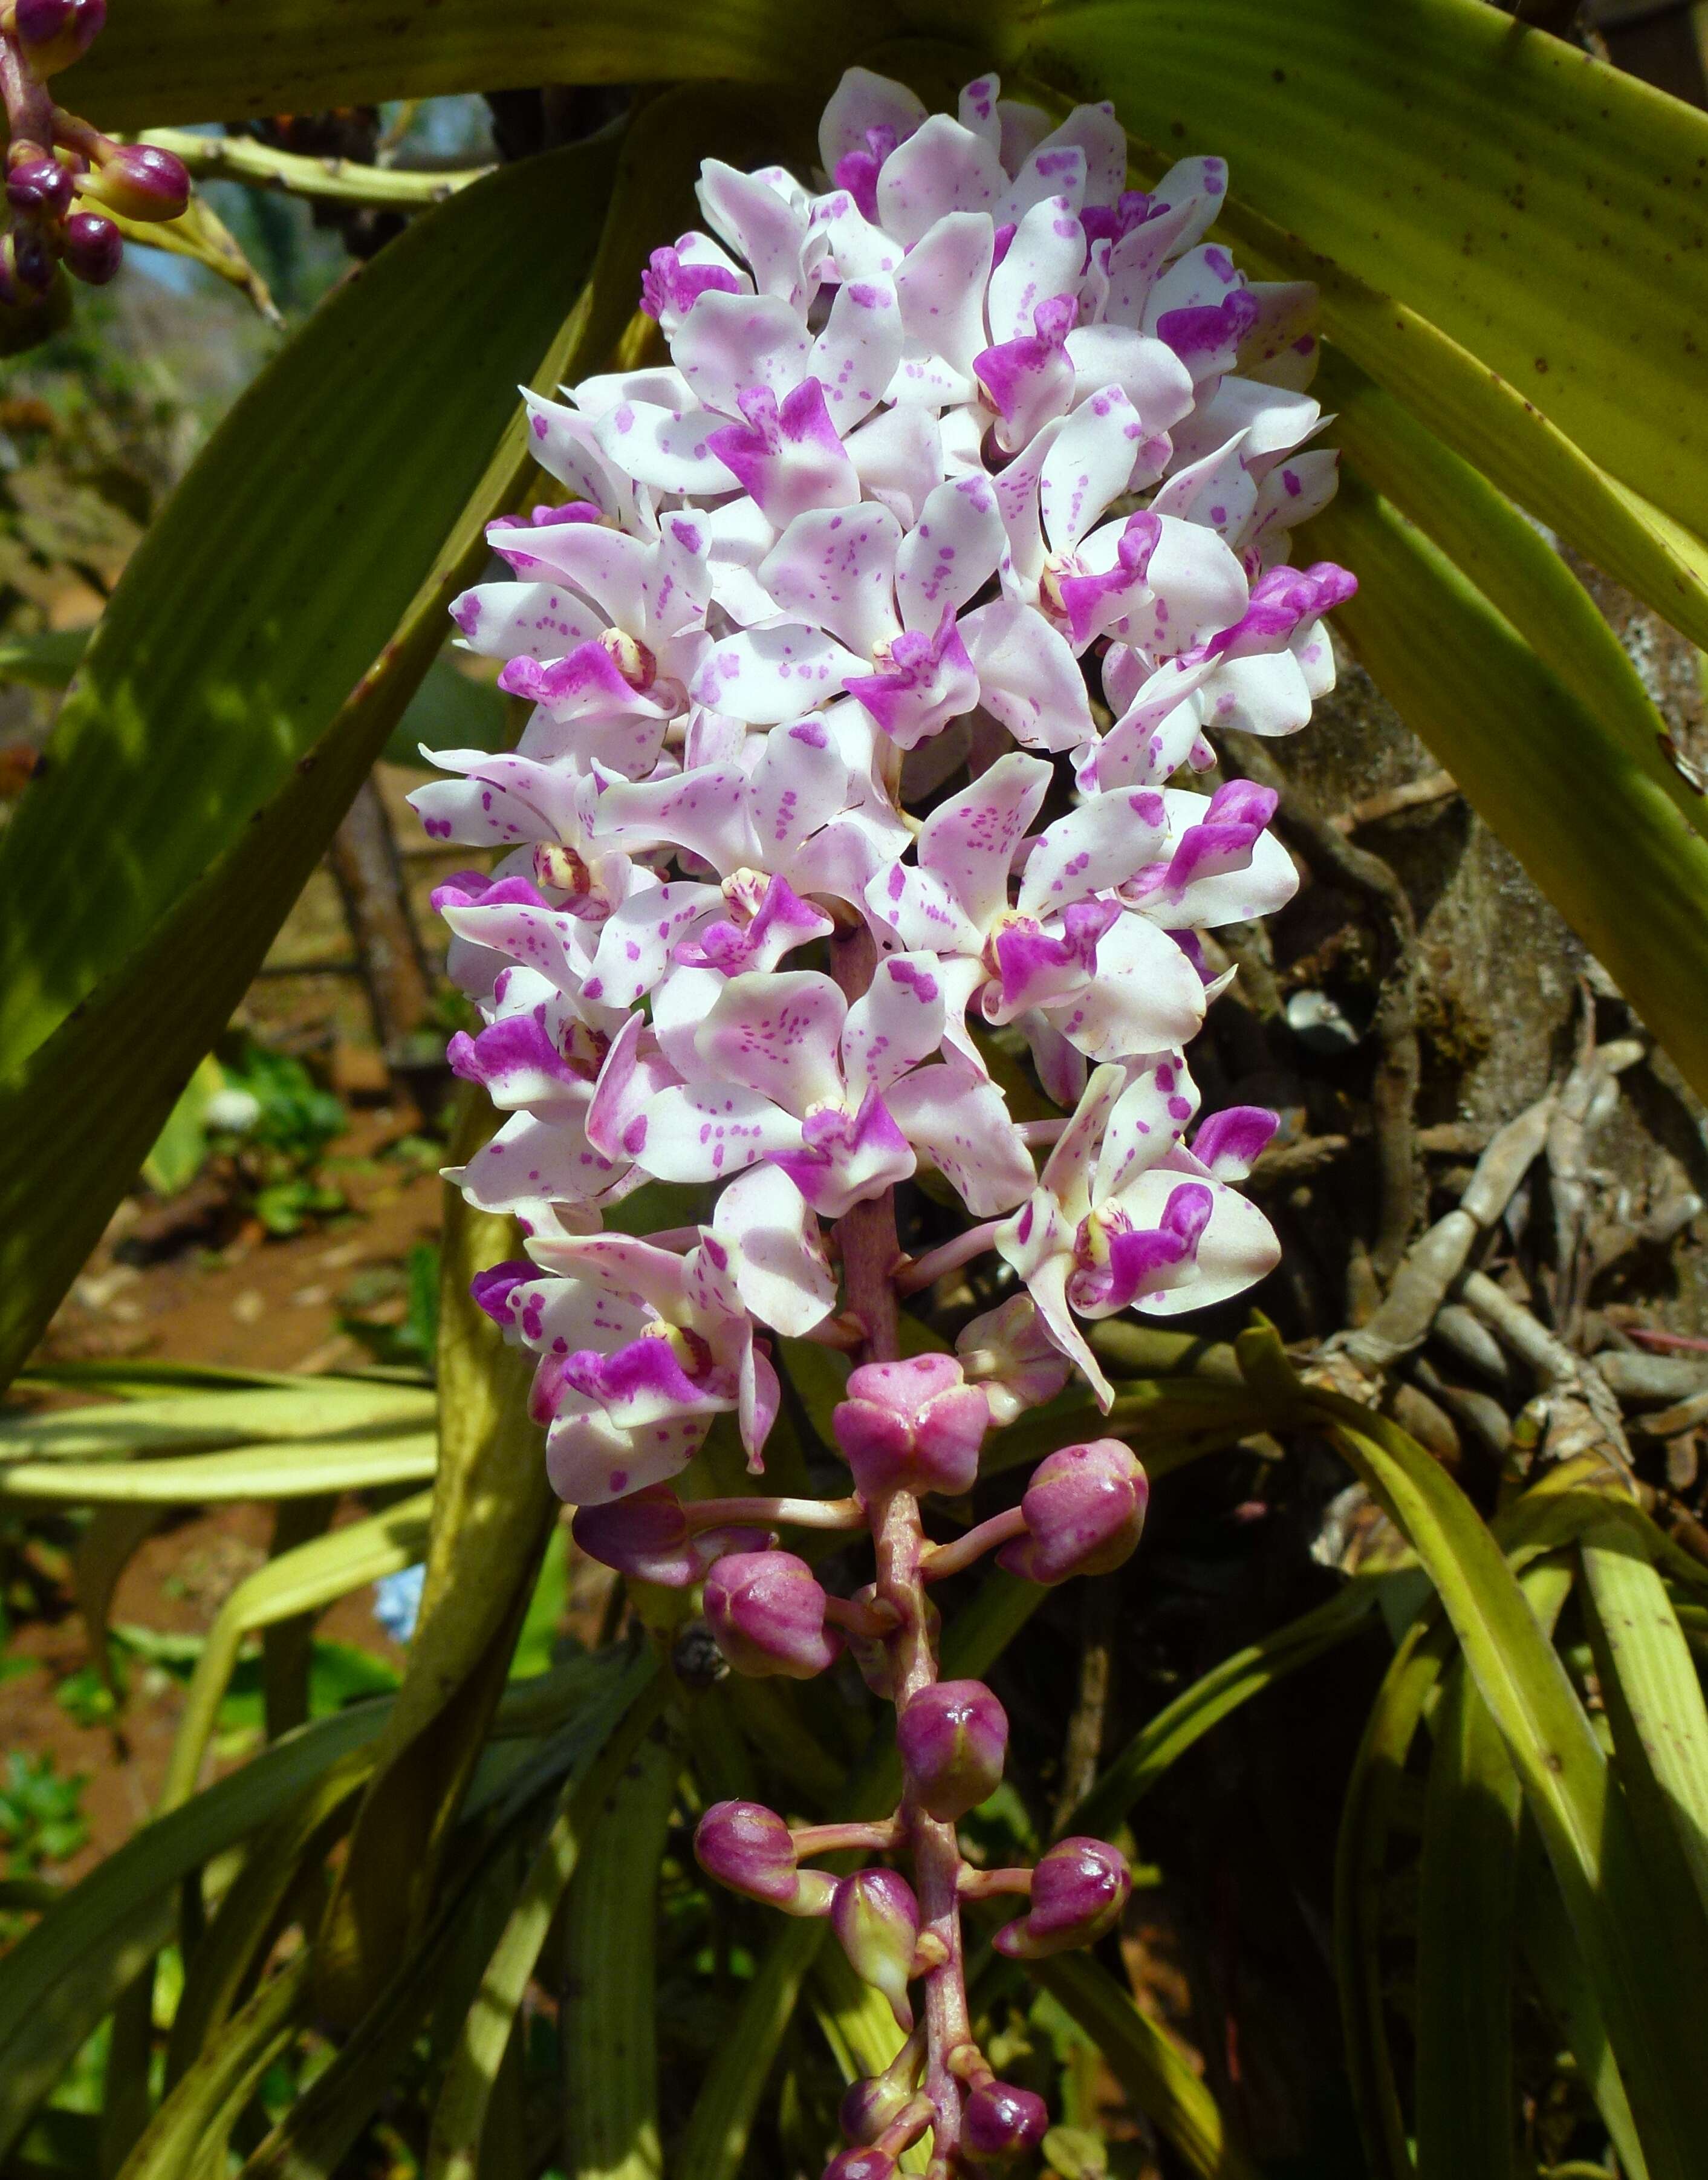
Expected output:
(54, 33)
(872, 2105)
(999, 2122)
(40, 186)
(953, 1736)
(94, 248)
(767, 1613)
(1078, 1890)
(876, 1917)
(646, 1535)
(142, 182)
(914, 1426)
(862, 2163)
(1085, 1508)
(747, 1848)
(28, 261)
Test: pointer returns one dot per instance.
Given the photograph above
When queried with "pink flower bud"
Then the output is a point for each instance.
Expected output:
(94, 248)
(646, 1535)
(767, 1613)
(862, 2165)
(747, 1848)
(953, 1735)
(1012, 1359)
(999, 2122)
(876, 1917)
(872, 2105)
(141, 181)
(1078, 1890)
(914, 1426)
(40, 186)
(1085, 1508)
(54, 33)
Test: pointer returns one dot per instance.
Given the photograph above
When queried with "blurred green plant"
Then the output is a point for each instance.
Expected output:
(41, 1818)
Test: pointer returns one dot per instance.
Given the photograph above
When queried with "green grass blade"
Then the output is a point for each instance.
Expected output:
(1595, 830)
(1544, 210)
(1156, 2076)
(1166, 1738)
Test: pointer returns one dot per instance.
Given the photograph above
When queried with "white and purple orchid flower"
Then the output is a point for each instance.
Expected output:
(962, 472)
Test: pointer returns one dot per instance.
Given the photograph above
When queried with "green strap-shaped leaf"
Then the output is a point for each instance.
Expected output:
(1163, 1740)
(608, 2029)
(270, 1471)
(316, 2133)
(1148, 2065)
(1485, 417)
(312, 1576)
(1467, 2114)
(1648, 1963)
(1595, 830)
(1515, 569)
(1544, 210)
(64, 1975)
(1653, 1696)
(186, 60)
(1366, 1818)
(192, 2125)
(459, 2117)
(313, 1408)
(1558, 1968)
(229, 698)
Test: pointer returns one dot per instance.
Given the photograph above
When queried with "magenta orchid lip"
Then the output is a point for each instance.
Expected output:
(936, 444)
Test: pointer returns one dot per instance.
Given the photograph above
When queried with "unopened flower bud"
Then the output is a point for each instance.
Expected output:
(646, 1535)
(872, 2105)
(141, 181)
(54, 33)
(999, 2122)
(953, 1736)
(747, 1848)
(914, 1426)
(877, 1918)
(94, 248)
(40, 186)
(1085, 1508)
(1078, 1890)
(1010, 1356)
(862, 2163)
(767, 1612)
(29, 261)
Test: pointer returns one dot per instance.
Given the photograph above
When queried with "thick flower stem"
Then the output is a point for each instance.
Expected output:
(901, 1547)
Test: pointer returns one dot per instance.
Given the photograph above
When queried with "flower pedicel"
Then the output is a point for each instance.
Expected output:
(946, 443)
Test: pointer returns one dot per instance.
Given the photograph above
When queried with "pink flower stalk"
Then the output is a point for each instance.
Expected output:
(943, 444)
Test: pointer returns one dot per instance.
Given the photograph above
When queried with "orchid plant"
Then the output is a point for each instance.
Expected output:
(876, 627)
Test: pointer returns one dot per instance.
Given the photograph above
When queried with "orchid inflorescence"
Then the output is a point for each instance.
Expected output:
(63, 177)
(942, 448)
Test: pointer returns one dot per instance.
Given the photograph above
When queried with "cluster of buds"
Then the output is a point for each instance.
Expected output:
(62, 178)
(879, 631)
(905, 1430)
